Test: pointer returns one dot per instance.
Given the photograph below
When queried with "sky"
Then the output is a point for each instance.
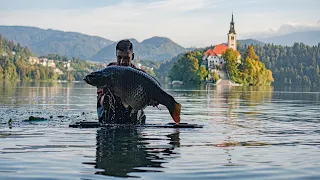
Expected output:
(190, 23)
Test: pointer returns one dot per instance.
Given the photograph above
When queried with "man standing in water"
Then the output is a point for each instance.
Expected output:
(109, 107)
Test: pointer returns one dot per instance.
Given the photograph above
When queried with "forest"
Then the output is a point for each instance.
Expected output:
(262, 64)
(296, 65)
(14, 65)
(191, 68)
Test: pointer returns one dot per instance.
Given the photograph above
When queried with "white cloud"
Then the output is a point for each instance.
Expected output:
(187, 22)
(296, 27)
(179, 5)
(171, 18)
(289, 27)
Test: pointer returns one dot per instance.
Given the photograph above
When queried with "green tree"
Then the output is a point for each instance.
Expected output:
(70, 76)
(250, 53)
(251, 72)
(290, 64)
(187, 69)
(9, 69)
(231, 57)
(203, 72)
(1, 72)
(215, 76)
(37, 75)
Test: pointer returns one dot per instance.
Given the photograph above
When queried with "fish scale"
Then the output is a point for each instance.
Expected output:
(135, 88)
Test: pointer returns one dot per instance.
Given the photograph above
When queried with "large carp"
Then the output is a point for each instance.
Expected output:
(134, 87)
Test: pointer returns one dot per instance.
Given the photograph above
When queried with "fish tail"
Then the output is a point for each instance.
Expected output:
(175, 112)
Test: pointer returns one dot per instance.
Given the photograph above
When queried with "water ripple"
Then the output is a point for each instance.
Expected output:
(249, 133)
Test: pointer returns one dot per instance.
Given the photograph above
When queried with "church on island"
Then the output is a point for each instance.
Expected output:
(213, 57)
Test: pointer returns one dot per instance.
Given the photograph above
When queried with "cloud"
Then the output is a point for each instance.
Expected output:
(188, 22)
(179, 5)
(289, 27)
(296, 27)
(175, 19)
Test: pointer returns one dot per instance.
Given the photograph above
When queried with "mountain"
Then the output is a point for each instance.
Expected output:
(155, 48)
(250, 42)
(109, 53)
(307, 37)
(43, 42)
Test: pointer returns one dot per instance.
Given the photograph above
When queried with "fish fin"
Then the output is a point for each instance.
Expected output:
(175, 112)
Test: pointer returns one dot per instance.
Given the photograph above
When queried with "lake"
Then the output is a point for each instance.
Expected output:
(249, 133)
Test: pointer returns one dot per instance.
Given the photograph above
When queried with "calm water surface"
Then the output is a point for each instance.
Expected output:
(249, 133)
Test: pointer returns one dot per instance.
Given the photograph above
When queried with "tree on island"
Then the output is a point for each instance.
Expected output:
(250, 72)
(188, 70)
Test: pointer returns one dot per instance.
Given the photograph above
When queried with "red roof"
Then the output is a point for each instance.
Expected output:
(210, 52)
(220, 49)
(217, 50)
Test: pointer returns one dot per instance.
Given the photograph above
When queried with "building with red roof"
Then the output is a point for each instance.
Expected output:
(214, 56)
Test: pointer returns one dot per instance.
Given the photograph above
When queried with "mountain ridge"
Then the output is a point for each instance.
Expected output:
(155, 48)
(311, 38)
(50, 41)
(75, 44)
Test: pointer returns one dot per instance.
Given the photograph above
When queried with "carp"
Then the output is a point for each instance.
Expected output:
(135, 88)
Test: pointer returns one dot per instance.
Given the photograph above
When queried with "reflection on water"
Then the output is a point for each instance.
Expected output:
(226, 101)
(124, 150)
(46, 95)
(249, 133)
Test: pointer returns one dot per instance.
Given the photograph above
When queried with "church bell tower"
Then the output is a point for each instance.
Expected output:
(232, 40)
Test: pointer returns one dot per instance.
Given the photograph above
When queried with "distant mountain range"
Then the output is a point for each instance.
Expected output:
(155, 48)
(43, 42)
(73, 44)
(250, 42)
(307, 37)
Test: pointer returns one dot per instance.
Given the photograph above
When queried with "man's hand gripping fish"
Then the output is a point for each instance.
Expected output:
(135, 88)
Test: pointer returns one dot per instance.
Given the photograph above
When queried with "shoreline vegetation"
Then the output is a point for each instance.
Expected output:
(267, 64)
(191, 68)
(261, 65)
(18, 63)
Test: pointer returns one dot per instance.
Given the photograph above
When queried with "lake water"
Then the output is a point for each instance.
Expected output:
(249, 133)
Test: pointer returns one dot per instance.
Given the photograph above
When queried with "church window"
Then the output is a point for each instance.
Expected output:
(232, 37)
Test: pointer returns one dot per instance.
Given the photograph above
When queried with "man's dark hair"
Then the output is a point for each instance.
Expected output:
(124, 45)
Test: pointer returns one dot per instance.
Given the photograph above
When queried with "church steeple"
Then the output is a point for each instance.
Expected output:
(232, 30)
(232, 41)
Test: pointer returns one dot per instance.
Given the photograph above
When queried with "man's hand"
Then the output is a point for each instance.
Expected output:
(153, 103)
